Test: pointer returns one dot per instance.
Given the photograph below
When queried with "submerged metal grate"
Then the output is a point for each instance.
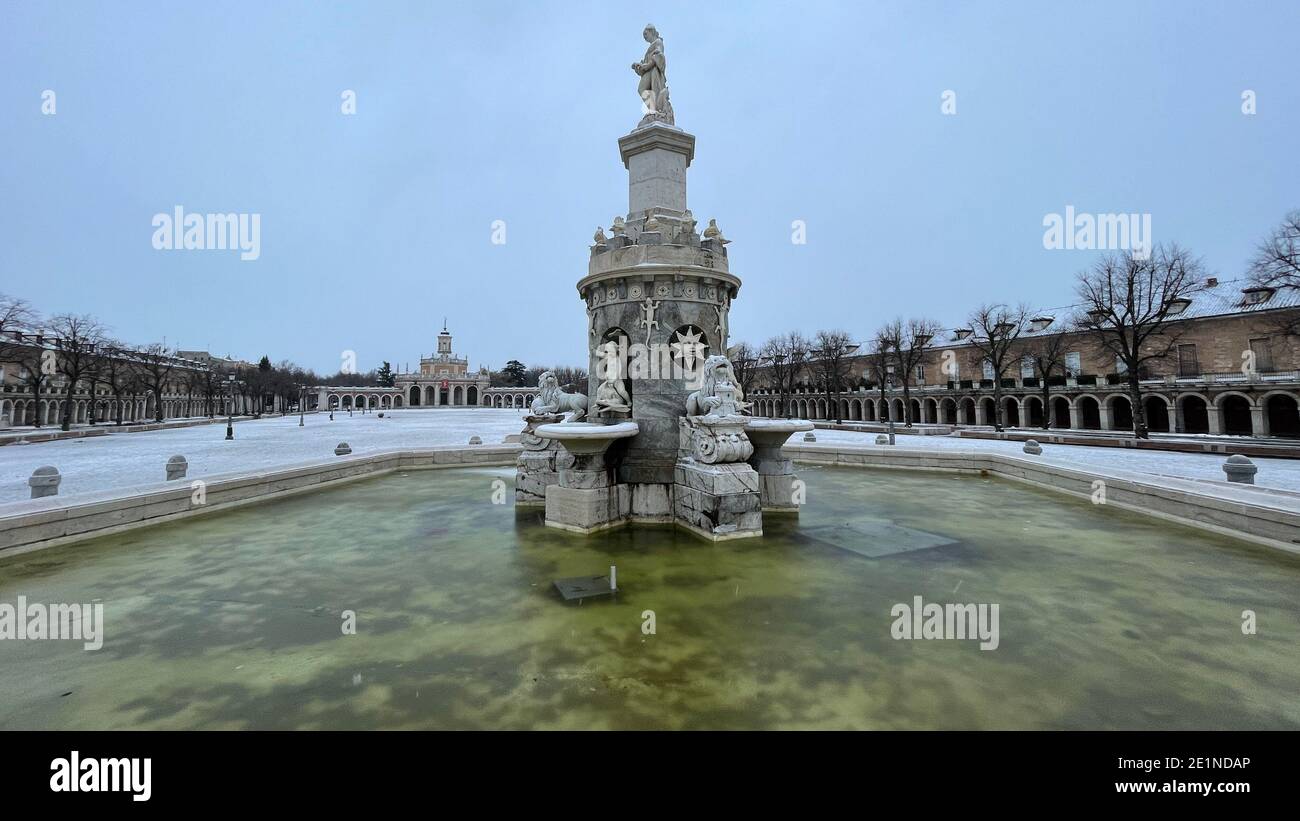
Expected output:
(583, 587)
(875, 538)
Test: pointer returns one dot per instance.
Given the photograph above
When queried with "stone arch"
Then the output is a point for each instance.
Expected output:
(1156, 408)
(967, 415)
(1193, 409)
(1281, 414)
(1011, 411)
(1235, 413)
(989, 409)
(948, 411)
(1089, 411)
(1060, 412)
(1033, 411)
(415, 395)
(1121, 411)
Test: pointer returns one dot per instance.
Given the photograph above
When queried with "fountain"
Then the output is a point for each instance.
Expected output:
(668, 438)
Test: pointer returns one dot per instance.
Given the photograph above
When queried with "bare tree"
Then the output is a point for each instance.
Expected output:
(1125, 309)
(35, 361)
(785, 357)
(116, 372)
(16, 316)
(1277, 258)
(77, 340)
(154, 366)
(744, 362)
(1047, 355)
(907, 343)
(830, 362)
(1277, 265)
(994, 331)
(880, 364)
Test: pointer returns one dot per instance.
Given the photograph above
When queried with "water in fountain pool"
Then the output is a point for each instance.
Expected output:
(1107, 619)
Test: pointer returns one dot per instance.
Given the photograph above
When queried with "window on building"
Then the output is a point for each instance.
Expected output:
(1027, 370)
(1120, 365)
(1262, 353)
(920, 374)
(1073, 364)
(987, 367)
(1187, 363)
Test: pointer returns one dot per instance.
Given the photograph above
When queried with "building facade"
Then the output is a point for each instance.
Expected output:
(1234, 371)
(444, 380)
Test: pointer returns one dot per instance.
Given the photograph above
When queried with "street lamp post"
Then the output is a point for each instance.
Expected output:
(230, 409)
(302, 407)
(889, 377)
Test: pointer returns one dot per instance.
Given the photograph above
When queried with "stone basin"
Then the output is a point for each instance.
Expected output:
(769, 433)
(587, 437)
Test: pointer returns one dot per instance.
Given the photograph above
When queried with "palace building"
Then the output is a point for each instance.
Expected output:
(1235, 370)
(444, 379)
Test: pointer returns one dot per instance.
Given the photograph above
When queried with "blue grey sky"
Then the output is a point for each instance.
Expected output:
(375, 226)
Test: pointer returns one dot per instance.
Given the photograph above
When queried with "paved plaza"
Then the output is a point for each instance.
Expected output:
(129, 459)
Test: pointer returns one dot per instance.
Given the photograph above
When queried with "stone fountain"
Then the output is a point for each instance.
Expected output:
(668, 438)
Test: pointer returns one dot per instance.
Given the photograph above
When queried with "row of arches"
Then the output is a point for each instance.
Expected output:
(436, 395)
(362, 401)
(1276, 413)
(23, 412)
(508, 400)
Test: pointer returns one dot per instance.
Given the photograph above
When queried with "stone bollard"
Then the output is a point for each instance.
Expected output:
(176, 467)
(882, 439)
(808, 437)
(45, 482)
(1033, 448)
(381, 416)
(474, 440)
(1238, 469)
(343, 449)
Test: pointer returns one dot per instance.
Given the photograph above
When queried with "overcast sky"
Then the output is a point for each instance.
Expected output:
(375, 226)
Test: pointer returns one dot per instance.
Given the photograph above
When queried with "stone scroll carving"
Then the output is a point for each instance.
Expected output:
(551, 400)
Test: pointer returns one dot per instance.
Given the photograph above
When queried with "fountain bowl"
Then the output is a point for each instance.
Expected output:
(774, 432)
(587, 437)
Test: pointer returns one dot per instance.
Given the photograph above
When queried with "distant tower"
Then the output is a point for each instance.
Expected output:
(444, 340)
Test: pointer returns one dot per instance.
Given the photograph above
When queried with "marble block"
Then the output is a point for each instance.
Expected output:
(587, 510)
(718, 502)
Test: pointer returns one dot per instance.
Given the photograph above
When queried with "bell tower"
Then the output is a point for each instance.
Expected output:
(444, 340)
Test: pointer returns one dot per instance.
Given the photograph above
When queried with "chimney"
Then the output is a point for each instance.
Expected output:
(1211, 282)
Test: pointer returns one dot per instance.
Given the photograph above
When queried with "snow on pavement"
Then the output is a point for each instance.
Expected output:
(126, 459)
(1277, 473)
(98, 463)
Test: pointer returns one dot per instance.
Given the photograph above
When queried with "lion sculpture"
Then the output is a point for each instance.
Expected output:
(550, 399)
(707, 401)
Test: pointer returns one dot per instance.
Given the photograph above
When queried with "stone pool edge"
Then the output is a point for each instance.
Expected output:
(1258, 515)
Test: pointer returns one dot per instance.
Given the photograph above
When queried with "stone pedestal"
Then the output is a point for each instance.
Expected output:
(539, 464)
(718, 502)
(586, 498)
(716, 494)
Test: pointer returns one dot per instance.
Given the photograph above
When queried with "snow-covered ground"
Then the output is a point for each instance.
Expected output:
(1278, 473)
(127, 459)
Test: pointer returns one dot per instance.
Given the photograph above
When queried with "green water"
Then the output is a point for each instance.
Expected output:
(1107, 619)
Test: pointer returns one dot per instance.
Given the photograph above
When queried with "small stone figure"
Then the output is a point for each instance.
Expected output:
(619, 227)
(600, 237)
(611, 396)
(550, 399)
